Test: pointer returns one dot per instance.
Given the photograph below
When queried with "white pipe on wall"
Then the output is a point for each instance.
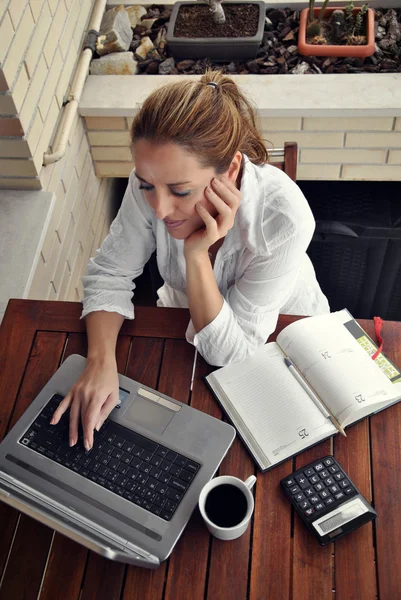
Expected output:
(61, 137)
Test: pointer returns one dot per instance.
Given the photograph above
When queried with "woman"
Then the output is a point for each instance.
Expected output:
(231, 234)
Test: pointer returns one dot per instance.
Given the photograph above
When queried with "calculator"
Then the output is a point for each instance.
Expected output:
(326, 499)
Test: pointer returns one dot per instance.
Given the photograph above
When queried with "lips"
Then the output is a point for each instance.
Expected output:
(173, 224)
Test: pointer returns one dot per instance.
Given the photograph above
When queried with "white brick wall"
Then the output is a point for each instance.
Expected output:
(39, 53)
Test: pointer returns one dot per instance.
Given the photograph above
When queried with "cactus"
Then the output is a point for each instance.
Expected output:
(322, 10)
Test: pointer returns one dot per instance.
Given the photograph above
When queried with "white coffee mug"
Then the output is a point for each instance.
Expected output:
(228, 533)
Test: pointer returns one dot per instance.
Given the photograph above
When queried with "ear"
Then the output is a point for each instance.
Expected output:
(235, 166)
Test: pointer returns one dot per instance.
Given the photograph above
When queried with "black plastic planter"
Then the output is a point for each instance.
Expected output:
(219, 49)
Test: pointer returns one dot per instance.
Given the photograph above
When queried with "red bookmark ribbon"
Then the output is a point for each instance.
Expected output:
(378, 321)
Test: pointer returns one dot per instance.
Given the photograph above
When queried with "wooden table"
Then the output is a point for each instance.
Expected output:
(276, 559)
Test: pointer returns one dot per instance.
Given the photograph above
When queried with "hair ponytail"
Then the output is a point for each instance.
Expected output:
(210, 118)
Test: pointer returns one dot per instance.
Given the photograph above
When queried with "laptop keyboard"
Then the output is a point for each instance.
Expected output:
(122, 461)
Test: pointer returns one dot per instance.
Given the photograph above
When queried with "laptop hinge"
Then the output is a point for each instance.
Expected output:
(53, 505)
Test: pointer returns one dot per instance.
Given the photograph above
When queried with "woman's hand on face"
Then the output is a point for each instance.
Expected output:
(225, 197)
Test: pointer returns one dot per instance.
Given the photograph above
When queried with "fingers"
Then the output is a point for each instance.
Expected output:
(106, 410)
(74, 422)
(62, 407)
(89, 419)
(227, 190)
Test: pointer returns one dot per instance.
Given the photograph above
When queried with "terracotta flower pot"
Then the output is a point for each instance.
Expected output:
(338, 50)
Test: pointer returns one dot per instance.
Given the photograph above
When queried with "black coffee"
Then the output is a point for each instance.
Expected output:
(226, 505)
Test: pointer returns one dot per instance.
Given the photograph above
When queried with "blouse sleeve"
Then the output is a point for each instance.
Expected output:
(108, 281)
(251, 308)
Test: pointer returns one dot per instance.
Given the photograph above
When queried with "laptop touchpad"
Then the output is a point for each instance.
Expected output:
(148, 414)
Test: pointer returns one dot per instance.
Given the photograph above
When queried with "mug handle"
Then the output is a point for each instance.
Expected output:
(250, 482)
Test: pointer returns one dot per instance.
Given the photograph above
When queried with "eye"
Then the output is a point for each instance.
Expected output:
(146, 188)
(182, 195)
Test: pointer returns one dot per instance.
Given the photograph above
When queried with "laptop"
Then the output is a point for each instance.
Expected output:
(131, 496)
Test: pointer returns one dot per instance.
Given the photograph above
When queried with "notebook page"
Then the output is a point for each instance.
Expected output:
(336, 366)
(274, 407)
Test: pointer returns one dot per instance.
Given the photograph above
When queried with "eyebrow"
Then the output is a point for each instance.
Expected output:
(169, 184)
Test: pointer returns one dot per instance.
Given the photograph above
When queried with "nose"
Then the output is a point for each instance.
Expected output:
(162, 205)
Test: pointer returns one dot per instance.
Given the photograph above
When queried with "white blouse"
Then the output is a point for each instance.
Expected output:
(261, 269)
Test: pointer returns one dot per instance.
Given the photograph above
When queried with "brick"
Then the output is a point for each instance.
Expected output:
(82, 23)
(36, 290)
(54, 34)
(51, 294)
(14, 149)
(54, 218)
(53, 5)
(7, 105)
(18, 46)
(348, 123)
(11, 126)
(106, 138)
(111, 153)
(29, 106)
(69, 67)
(373, 140)
(113, 169)
(343, 156)
(50, 84)
(47, 134)
(3, 82)
(104, 123)
(6, 36)
(65, 40)
(75, 209)
(38, 39)
(66, 212)
(394, 157)
(307, 140)
(81, 157)
(17, 168)
(371, 173)
(20, 90)
(397, 125)
(267, 124)
(65, 280)
(72, 155)
(34, 132)
(62, 259)
(28, 183)
(36, 7)
(75, 274)
(15, 9)
(326, 172)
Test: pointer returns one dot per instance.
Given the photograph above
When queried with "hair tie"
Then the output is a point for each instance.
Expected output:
(215, 85)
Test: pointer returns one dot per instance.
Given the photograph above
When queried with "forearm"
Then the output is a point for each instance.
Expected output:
(204, 298)
(102, 329)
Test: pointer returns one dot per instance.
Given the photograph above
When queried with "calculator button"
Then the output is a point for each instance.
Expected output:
(309, 512)
(328, 461)
(319, 506)
(299, 497)
(324, 494)
(329, 501)
(324, 474)
(302, 481)
(309, 492)
(319, 467)
(339, 495)
(338, 476)
(294, 489)
(334, 488)
(344, 483)
(309, 472)
(314, 499)
(314, 479)
(289, 482)
(329, 481)
(319, 486)
(304, 504)
(349, 490)
(333, 469)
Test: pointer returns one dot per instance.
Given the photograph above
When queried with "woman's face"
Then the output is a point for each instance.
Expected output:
(173, 182)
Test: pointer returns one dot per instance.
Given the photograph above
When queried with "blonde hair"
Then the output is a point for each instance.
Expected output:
(211, 122)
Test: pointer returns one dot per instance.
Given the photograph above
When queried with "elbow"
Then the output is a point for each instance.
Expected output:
(224, 357)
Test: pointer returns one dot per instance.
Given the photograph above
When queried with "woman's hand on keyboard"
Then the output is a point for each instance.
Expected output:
(92, 398)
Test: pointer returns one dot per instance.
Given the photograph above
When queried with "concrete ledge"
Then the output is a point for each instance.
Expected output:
(334, 95)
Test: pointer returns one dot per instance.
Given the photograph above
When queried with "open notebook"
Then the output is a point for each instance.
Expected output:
(275, 416)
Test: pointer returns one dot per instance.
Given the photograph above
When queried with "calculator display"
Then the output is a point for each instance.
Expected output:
(340, 516)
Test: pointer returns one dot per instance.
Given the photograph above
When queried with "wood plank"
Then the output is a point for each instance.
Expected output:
(355, 574)
(271, 537)
(143, 366)
(386, 466)
(188, 563)
(103, 579)
(43, 361)
(55, 315)
(312, 564)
